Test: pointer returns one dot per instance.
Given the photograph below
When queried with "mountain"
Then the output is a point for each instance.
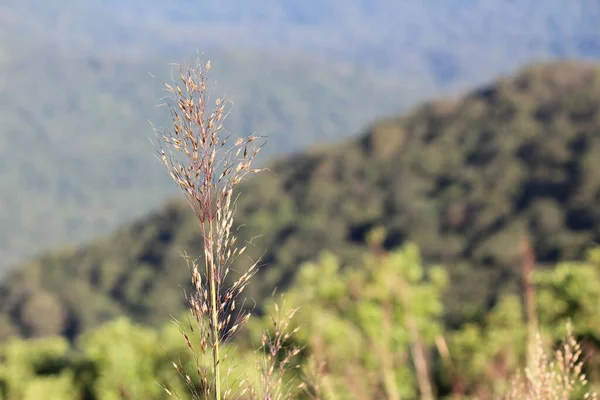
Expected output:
(448, 39)
(76, 89)
(75, 155)
(465, 178)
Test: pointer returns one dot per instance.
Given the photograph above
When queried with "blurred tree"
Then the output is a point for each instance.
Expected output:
(571, 291)
(369, 324)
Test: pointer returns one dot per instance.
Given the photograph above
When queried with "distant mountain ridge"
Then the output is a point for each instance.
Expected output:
(467, 179)
(441, 36)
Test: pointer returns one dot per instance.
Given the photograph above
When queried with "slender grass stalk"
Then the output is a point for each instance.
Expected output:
(278, 356)
(214, 316)
(197, 155)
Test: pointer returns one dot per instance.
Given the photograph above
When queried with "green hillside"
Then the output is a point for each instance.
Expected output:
(466, 179)
(75, 159)
(76, 90)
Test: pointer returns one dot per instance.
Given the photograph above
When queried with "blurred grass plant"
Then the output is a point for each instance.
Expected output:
(558, 378)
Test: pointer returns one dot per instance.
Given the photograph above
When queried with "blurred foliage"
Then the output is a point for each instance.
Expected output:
(358, 325)
(357, 321)
(572, 291)
(466, 180)
(486, 354)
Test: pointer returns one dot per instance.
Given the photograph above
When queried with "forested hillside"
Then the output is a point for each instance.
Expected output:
(76, 90)
(466, 179)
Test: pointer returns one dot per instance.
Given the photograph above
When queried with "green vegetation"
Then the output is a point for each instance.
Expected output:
(378, 318)
(440, 254)
(361, 328)
(466, 180)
